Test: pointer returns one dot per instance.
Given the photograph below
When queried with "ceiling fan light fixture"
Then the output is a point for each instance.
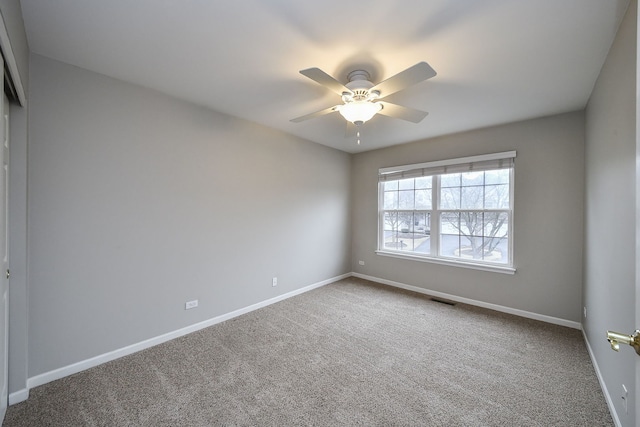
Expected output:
(358, 112)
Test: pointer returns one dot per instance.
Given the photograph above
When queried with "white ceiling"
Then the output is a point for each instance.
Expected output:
(497, 61)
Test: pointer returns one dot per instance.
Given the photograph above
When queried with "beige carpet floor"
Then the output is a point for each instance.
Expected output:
(349, 353)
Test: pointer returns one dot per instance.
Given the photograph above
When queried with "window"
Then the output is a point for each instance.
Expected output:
(456, 211)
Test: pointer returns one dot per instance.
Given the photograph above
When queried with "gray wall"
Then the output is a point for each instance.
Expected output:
(610, 213)
(139, 202)
(547, 216)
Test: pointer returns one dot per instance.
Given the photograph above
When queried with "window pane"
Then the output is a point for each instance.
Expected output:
(499, 252)
(397, 230)
(495, 224)
(496, 196)
(472, 178)
(449, 235)
(390, 200)
(405, 199)
(450, 180)
(391, 240)
(413, 233)
(391, 221)
(450, 198)
(500, 176)
(471, 197)
(406, 184)
(423, 199)
(422, 231)
(422, 222)
(458, 233)
(475, 236)
(449, 223)
(390, 185)
(405, 219)
(424, 182)
(471, 223)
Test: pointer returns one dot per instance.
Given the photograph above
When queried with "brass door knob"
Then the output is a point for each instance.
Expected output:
(616, 338)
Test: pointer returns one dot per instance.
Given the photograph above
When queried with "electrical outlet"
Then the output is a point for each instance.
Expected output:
(361, 262)
(191, 304)
(625, 399)
(274, 281)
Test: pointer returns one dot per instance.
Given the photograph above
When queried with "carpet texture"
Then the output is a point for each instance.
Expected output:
(349, 353)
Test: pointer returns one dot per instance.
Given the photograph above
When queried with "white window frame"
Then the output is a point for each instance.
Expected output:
(436, 169)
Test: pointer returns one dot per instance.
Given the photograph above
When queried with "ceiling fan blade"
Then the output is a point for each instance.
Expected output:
(316, 114)
(319, 76)
(399, 112)
(412, 75)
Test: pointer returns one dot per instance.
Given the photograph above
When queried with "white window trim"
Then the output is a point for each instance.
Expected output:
(450, 262)
(448, 162)
(442, 260)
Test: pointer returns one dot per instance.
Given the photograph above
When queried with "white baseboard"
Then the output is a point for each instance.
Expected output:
(496, 307)
(603, 386)
(74, 368)
(18, 396)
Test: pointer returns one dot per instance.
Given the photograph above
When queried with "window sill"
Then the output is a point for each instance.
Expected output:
(451, 262)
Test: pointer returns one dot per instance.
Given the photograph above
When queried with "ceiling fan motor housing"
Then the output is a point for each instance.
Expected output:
(359, 84)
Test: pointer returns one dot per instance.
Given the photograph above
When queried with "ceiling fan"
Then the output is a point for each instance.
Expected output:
(362, 99)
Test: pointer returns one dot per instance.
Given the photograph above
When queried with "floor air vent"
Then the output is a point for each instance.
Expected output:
(442, 301)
